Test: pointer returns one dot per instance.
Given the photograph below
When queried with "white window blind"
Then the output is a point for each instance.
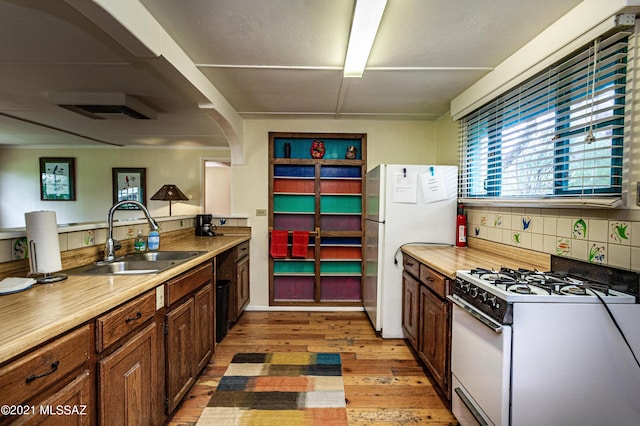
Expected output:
(557, 137)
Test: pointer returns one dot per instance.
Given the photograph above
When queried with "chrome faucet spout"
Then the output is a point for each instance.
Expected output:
(111, 245)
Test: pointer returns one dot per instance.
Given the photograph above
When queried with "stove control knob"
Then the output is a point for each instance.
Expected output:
(483, 296)
(465, 286)
(473, 291)
(493, 302)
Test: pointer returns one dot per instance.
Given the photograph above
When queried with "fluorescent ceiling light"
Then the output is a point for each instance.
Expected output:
(366, 19)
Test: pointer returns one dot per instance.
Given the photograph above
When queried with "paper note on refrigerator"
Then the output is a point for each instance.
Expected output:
(433, 185)
(405, 187)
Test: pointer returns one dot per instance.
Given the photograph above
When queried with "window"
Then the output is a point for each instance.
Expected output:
(558, 135)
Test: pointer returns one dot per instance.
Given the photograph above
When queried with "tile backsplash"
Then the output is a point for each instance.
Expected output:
(597, 236)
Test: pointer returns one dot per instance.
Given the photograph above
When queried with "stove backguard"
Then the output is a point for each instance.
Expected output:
(618, 279)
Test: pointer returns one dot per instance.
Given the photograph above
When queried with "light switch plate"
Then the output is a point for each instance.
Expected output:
(261, 212)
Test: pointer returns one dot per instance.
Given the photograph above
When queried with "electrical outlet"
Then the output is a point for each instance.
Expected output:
(261, 212)
(159, 297)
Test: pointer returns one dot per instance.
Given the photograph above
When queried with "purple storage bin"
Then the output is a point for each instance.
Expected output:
(293, 288)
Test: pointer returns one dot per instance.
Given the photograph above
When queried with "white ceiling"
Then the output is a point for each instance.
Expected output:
(267, 58)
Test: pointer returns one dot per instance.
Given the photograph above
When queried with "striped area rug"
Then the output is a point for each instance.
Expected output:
(280, 388)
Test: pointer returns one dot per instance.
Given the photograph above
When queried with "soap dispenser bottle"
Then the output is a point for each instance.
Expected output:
(140, 244)
(153, 242)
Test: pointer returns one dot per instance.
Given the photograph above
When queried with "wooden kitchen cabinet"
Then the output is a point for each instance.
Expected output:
(128, 381)
(129, 352)
(433, 344)
(426, 319)
(233, 265)
(410, 314)
(58, 373)
(189, 326)
(204, 325)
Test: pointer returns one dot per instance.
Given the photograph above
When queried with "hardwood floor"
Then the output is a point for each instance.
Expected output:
(383, 382)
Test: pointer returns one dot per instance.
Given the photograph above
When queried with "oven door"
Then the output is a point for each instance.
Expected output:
(480, 366)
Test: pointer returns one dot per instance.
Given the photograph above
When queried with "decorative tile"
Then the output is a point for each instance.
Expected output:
(516, 238)
(579, 231)
(88, 238)
(526, 223)
(563, 246)
(597, 253)
(620, 232)
(20, 248)
(497, 221)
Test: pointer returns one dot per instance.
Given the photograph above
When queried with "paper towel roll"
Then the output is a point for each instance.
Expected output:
(42, 229)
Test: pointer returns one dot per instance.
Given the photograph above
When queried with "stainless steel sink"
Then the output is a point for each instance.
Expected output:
(156, 256)
(137, 263)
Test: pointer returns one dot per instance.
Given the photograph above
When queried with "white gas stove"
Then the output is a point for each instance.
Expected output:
(525, 339)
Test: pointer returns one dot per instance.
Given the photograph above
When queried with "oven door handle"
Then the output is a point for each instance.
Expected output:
(496, 327)
(472, 409)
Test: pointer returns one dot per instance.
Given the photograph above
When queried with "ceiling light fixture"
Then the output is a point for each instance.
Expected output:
(366, 20)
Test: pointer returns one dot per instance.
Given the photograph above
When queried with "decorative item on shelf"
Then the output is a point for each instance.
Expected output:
(169, 193)
(352, 152)
(287, 150)
(317, 149)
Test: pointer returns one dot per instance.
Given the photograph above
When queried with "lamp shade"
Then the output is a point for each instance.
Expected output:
(169, 193)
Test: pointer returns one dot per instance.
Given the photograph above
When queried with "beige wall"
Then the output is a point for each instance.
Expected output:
(410, 142)
(446, 141)
(19, 181)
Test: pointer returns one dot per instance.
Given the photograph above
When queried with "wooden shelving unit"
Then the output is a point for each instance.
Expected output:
(324, 196)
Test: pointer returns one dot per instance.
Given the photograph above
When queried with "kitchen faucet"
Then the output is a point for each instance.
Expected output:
(112, 245)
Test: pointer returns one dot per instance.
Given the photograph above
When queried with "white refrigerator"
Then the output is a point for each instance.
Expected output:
(405, 204)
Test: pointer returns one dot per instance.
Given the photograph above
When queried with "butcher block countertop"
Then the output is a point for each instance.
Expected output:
(479, 254)
(45, 311)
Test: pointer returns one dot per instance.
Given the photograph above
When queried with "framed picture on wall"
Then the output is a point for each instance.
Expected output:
(57, 179)
(129, 184)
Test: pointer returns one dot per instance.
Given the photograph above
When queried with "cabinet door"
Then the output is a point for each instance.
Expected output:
(242, 285)
(180, 352)
(204, 321)
(410, 289)
(128, 382)
(433, 342)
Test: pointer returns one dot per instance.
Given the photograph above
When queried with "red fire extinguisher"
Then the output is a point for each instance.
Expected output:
(461, 227)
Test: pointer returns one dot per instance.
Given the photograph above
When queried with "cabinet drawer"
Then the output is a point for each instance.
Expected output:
(45, 368)
(242, 250)
(119, 322)
(411, 265)
(189, 282)
(434, 280)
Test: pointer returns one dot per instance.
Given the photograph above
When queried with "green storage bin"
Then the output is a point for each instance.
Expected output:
(294, 203)
(340, 204)
(293, 267)
(333, 267)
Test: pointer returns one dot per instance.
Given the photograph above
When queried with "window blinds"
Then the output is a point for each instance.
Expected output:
(557, 136)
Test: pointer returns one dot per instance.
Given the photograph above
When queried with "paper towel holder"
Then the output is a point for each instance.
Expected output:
(41, 277)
